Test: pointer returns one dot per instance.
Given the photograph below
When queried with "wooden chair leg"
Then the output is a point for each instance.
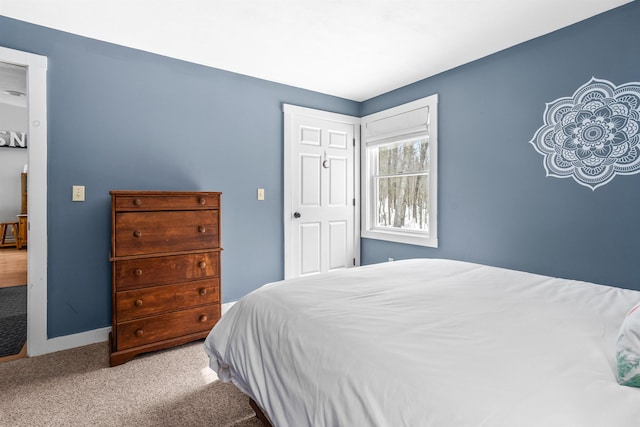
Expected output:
(14, 226)
(4, 227)
(3, 233)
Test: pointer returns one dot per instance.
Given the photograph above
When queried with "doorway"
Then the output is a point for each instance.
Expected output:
(321, 191)
(13, 208)
(35, 220)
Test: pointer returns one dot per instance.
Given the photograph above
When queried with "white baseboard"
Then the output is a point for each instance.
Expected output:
(78, 340)
(92, 337)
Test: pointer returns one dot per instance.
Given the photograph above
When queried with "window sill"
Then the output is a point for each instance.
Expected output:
(399, 237)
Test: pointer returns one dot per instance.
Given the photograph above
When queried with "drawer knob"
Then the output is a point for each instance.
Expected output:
(137, 202)
(137, 233)
(203, 318)
(139, 332)
(137, 272)
(202, 229)
(203, 291)
(202, 200)
(202, 264)
(138, 303)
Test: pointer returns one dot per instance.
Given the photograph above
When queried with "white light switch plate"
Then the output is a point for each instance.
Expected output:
(77, 193)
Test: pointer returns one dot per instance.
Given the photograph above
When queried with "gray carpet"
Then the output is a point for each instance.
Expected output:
(77, 387)
(13, 319)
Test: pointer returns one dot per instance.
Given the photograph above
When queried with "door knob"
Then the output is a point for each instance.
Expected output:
(297, 215)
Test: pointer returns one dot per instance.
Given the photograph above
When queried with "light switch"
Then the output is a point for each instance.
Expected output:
(77, 193)
(260, 193)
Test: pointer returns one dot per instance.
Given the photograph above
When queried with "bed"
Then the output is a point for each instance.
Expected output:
(428, 342)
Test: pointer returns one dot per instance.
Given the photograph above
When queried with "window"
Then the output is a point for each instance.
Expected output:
(399, 173)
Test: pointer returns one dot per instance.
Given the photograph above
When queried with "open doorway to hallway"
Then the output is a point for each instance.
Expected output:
(13, 211)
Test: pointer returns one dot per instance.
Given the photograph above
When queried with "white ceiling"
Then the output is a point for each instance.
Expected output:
(355, 49)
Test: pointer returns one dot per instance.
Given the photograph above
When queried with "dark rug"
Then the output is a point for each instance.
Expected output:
(13, 319)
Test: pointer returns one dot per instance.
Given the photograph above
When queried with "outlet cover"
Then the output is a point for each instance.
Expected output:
(77, 194)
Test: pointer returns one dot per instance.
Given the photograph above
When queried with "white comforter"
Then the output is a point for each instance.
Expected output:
(429, 343)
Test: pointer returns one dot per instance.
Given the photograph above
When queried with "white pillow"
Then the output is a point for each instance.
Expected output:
(628, 349)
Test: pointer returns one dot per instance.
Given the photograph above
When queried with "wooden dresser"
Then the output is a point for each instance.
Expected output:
(165, 257)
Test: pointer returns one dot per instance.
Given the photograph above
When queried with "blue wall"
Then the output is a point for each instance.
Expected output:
(495, 204)
(125, 119)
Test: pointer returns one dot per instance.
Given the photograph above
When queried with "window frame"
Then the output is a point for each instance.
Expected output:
(405, 129)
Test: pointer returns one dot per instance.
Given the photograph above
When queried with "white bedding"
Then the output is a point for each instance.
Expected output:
(429, 342)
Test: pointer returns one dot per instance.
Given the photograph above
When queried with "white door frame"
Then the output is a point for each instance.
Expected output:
(36, 66)
(293, 110)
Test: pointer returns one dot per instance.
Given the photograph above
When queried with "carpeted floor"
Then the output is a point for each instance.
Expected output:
(77, 387)
(13, 319)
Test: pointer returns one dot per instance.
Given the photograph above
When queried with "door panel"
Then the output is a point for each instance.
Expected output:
(310, 180)
(338, 182)
(310, 245)
(309, 135)
(338, 139)
(338, 242)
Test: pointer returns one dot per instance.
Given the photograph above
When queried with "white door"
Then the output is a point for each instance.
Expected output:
(321, 219)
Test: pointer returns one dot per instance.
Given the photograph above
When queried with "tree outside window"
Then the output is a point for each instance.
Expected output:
(402, 185)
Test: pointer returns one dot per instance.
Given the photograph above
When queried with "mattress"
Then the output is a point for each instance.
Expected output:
(428, 342)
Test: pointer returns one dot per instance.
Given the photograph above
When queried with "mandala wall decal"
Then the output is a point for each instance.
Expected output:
(593, 135)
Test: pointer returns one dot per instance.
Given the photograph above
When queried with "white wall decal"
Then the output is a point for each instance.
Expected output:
(593, 135)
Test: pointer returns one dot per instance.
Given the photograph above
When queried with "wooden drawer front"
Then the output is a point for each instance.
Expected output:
(148, 330)
(166, 202)
(161, 299)
(141, 272)
(139, 233)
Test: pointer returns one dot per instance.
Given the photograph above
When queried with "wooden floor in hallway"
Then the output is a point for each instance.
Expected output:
(13, 267)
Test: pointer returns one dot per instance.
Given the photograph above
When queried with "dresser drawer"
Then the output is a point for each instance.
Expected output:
(162, 299)
(139, 233)
(148, 202)
(141, 272)
(149, 330)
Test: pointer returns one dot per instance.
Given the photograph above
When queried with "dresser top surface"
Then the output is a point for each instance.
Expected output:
(159, 193)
